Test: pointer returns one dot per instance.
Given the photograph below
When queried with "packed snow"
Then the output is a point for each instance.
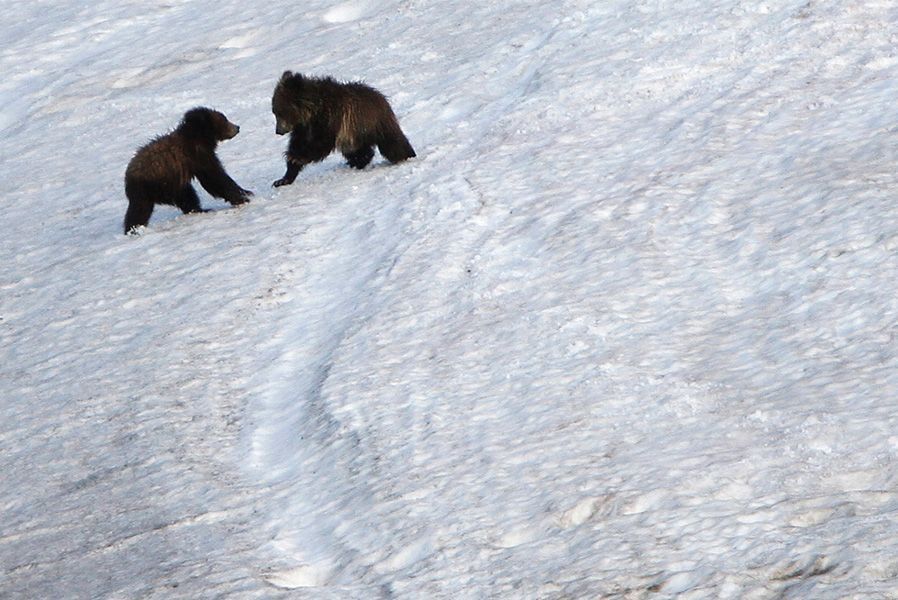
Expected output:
(625, 328)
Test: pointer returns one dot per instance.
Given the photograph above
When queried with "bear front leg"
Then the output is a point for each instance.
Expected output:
(218, 183)
(138, 215)
(293, 169)
(308, 144)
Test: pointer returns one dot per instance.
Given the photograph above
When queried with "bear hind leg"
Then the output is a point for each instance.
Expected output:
(359, 159)
(395, 147)
(188, 201)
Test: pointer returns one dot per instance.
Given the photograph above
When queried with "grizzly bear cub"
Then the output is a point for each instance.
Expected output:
(321, 114)
(161, 171)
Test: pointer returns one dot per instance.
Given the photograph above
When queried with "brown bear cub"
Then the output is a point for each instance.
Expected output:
(161, 171)
(321, 114)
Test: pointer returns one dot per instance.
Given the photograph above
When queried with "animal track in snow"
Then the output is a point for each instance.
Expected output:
(346, 12)
(409, 555)
(519, 535)
(300, 577)
(586, 509)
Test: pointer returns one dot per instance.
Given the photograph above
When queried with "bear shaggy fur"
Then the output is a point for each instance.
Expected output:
(321, 114)
(161, 171)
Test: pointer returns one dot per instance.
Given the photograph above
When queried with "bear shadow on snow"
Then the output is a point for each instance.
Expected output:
(162, 170)
(321, 115)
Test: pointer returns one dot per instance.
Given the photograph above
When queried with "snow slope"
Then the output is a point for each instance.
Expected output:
(625, 328)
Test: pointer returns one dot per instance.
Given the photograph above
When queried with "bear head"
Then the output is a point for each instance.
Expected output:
(207, 124)
(287, 102)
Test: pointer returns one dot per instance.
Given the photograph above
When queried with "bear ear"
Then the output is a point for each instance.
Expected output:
(197, 121)
(287, 75)
(196, 116)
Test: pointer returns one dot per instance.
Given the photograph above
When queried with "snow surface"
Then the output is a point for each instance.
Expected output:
(625, 328)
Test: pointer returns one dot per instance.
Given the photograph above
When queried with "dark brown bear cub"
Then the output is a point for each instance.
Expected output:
(321, 114)
(161, 171)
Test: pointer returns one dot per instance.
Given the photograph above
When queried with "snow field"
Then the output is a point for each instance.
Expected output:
(623, 329)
